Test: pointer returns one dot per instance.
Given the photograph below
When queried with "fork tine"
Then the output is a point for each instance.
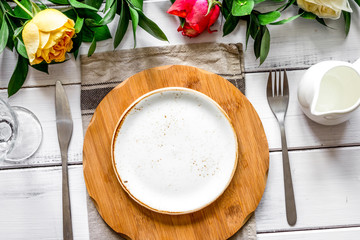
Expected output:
(277, 83)
(285, 85)
(280, 90)
(269, 89)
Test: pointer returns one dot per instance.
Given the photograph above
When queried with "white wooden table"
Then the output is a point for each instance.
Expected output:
(325, 161)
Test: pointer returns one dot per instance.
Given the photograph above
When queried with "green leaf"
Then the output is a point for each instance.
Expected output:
(6, 7)
(286, 5)
(122, 25)
(76, 53)
(42, 5)
(19, 75)
(182, 21)
(135, 21)
(258, 1)
(77, 4)
(225, 8)
(266, 18)
(11, 27)
(347, 18)
(94, 3)
(35, 9)
(248, 24)
(265, 45)
(242, 7)
(101, 33)
(87, 34)
(137, 3)
(60, 2)
(151, 27)
(230, 24)
(286, 20)
(20, 48)
(321, 21)
(70, 13)
(108, 4)
(92, 47)
(307, 15)
(77, 42)
(42, 67)
(78, 24)
(254, 26)
(257, 44)
(19, 12)
(110, 15)
(18, 31)
(4, 33)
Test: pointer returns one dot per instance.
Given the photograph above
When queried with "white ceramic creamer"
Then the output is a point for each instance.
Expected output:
(330, 91)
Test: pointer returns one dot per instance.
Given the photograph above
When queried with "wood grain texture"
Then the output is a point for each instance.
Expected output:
(297, 44)
(41, 101)
(221, 219)
(30, 203)
(301, 132)
(326, 183)
(327, 234)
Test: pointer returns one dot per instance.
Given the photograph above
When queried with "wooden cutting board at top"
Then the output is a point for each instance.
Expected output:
(221, 219)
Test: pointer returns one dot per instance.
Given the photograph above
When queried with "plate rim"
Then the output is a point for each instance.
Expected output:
(122, 119)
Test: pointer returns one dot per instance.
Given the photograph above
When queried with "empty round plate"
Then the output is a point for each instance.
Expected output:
(174, 150)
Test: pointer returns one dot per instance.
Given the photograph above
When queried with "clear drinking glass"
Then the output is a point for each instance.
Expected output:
(20, 133)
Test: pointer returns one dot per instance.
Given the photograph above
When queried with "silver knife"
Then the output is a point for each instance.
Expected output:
(64, 126)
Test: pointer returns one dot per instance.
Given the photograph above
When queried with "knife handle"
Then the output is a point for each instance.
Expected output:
(67, 226)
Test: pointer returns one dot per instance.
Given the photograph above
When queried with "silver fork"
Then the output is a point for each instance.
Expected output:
(278, 99)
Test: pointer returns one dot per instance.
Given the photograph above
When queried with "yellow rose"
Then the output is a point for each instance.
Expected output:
(325, 8)
(48, 36)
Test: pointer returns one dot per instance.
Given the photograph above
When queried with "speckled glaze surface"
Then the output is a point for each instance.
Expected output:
(174, 150)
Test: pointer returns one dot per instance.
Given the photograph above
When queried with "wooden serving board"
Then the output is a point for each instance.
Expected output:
(221, 219)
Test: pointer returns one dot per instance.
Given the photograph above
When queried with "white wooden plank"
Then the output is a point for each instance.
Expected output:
(329, 234)
(298, 44)
(67, 72)
(301, 132)
(41, 101)
(326, 184)
(31, 203)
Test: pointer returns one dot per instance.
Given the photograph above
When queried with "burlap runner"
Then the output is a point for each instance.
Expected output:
(103, 71)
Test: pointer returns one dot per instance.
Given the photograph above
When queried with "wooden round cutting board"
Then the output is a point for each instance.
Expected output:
(221, 219)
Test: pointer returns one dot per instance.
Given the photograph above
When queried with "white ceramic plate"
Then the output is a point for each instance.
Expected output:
(174, 150)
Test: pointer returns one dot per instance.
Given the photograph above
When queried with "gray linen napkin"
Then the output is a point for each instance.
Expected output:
(103, 71)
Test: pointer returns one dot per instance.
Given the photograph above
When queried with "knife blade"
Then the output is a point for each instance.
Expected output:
(64, 125)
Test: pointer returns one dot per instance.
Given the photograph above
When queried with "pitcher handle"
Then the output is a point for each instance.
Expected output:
(357, 64)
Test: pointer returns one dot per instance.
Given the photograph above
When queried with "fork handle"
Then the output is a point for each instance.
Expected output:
(289, 191)
(67, 223)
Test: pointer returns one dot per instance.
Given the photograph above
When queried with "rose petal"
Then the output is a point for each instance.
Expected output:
(31, 39)
(181, 8)
(55, 36)
(214, 14)
(337, 4)
(37, 61)
(44, 38)
(197, 18)
(45, 55)
(49, 20)
(188, 31)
